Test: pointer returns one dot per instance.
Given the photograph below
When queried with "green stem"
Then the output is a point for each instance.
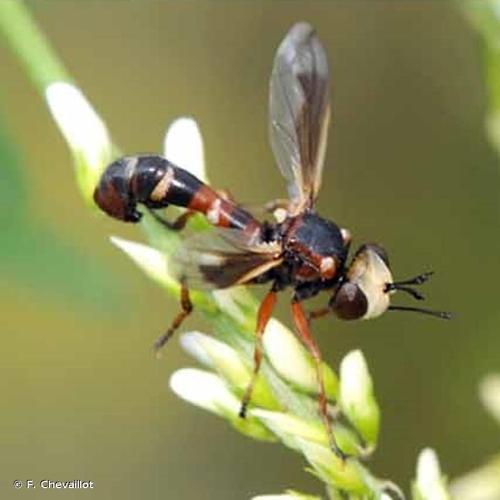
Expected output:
(30, 45)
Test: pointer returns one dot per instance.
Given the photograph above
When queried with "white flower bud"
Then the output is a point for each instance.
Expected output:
(489, 391)
(291, 360)
(227, 363)
(153, 262)
(84, 131)
(430, 485)
(183, 146)
(290, 426)
(482, 483)
(218, 356)
(356, 396)
(348, 475)
(209, 391)
(205, 389)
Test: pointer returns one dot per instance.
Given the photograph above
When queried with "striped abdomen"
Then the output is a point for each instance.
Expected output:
(156, 183)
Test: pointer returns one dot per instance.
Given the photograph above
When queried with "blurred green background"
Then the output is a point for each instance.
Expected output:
(408, 165)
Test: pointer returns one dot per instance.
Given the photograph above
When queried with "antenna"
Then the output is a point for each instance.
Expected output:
(437, 314)
(417, 280)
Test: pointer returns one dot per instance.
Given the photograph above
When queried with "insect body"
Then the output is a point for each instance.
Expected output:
(156, 183)
(302, 250)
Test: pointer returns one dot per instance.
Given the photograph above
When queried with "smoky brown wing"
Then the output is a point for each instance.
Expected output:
(299, 112)
(222, 258)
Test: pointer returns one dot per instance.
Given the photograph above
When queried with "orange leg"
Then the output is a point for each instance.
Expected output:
(305, 334)
(265, 312)
(320, 313)
(187, 309)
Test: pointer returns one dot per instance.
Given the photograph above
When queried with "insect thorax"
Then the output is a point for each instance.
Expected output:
(317, 242)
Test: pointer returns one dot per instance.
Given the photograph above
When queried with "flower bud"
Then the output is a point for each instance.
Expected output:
(228, 364)
(489, 391)
(210, 392)
(347, 475)
(482, 483)
(430, 484)
(204, 389)
(183, 146)
(84, 131)
(356, 396)
(292, 361)
(289, 427)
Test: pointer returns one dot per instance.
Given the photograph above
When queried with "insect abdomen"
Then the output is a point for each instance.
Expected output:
(156, 183)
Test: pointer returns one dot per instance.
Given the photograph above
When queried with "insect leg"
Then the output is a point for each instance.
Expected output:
(308, 290)
(320, 313)
(263, 316)
(302, 325)
(178, 224)
(187, 309)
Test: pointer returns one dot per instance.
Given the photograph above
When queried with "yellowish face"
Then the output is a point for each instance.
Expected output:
(371, 274)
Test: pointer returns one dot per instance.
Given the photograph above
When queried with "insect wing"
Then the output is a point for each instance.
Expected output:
(299, 113)
(222, 258)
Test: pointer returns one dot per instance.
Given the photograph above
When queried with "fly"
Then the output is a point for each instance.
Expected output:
(302, 250)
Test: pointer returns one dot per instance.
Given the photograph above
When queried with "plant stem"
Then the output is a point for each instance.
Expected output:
(30, 44)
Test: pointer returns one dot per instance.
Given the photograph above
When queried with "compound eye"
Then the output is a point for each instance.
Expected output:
(350, 302)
